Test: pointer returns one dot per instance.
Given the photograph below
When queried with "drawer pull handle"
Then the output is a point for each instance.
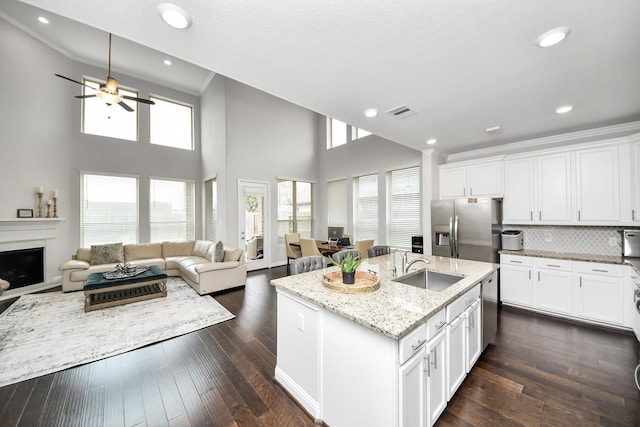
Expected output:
(599, 271)
(417, 345)
(554, 265)
(516, 262)
(440, 324)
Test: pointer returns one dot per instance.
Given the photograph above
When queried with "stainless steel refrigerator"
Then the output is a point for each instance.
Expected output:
(470, 229)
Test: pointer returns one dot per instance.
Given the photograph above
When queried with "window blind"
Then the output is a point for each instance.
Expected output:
(404, 207)
(171, 210)
(295, 208)
(365, 207)
(108, 209)
(337, 203)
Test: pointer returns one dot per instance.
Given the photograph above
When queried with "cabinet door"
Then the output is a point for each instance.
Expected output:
(437, 377)
(515, 285)
(554, 188)
(485, 179)
(474, 334)
(453, 182)
(412, 398)
(601, 298)
(635, 184)
(597, 182)
(456, 354)
(555, 291)
(517, 205)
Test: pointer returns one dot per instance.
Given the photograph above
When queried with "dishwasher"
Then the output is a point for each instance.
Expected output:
(489, 298)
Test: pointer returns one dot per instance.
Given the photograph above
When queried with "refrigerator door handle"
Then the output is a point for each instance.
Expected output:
(455, 236)
(451, 238)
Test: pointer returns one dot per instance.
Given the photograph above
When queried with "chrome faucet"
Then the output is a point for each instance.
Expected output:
(406, 269)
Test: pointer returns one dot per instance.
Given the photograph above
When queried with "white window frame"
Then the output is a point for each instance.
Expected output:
(365, 219)
(189, 212)
(293, 223)
(404, 206)
(155, 108)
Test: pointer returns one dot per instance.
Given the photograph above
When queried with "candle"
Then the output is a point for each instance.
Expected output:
(48, 202)
(55, 194)
(41, 189)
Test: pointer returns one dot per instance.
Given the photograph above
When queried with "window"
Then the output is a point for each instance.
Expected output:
(111, 121)
(404, 211)
(295, 208)
(365, 207)
(108, 209)
(210, 209)
(170, 210)
(357, 133)
(171, 124)
(337, 134)
(337, 203)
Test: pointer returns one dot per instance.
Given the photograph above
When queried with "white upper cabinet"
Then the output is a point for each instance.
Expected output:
(635, 182)
(598, 184)
(474, 179)
(554, 188)
(518, 204)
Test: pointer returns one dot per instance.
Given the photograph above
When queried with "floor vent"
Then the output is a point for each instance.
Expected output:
(401, 112)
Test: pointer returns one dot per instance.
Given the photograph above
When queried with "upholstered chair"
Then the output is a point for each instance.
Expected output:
(309, 247)
(350, 237)
(307, 263)
(340, 256)
(363, 246)
(374, 251)
(291, 252)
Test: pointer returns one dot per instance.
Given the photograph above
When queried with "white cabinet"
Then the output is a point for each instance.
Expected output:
(456, 358)
(601, 293)
(436, 377)
(554, 188)
(413, 391)
(518, 203)
(515, 280)
(635, 183)
(554, 286)
(597, 184)
(478, 179)
(474, 334)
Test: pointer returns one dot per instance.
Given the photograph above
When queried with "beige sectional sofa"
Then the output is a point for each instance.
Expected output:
(194, 261)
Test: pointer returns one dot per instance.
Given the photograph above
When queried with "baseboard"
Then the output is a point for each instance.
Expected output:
(298, 393)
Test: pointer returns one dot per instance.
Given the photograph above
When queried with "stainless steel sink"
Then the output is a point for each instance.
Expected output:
(429, 280)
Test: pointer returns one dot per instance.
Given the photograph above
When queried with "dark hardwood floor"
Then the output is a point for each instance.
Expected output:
(540, 372)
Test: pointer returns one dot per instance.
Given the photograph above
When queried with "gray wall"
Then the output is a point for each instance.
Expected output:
(42, 143)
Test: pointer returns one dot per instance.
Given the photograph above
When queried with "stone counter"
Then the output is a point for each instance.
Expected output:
(605, 259)
(395, 309)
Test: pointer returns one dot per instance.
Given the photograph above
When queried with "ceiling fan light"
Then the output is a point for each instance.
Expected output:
(174, 16)
(112, 84)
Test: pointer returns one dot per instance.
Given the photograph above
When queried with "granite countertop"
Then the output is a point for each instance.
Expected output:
(605, 259)
(395, 309)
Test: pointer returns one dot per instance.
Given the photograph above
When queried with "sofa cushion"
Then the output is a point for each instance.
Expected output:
(83, 254)
(148, 262)
(142, 251)
(173, 249)
(106, 254)
(200, 248)
(173, 263)
(232, 254)
(81, 275)
(188, 267)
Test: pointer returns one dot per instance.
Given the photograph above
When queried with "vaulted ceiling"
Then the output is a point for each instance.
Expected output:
(461, 66)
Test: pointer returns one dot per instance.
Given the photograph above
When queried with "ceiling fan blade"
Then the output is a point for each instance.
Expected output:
(85, 96)
(125, 106)
(142, 100)
(75, 81)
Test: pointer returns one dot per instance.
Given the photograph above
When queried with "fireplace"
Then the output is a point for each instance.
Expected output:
(22, 267)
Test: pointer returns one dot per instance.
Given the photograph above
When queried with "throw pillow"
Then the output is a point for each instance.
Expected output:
(200, 248)
(106, 254)
(218, 255)
(233, 254)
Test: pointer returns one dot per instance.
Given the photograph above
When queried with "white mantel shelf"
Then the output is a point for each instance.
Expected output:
(23, 220)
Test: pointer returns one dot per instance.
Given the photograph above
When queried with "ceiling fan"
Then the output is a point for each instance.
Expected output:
(108, 92)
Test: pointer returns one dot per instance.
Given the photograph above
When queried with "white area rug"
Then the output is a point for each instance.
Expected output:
(49, 332)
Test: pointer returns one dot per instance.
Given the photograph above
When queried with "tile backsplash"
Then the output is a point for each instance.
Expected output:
(587, 240)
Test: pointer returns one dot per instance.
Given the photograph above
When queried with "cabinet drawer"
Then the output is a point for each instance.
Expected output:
(458, 306)
(554, 264)
(413, 342)
(524, 261)
(614, 270)
(436, 324)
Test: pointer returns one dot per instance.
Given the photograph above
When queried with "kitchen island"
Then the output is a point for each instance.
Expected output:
(392, 357)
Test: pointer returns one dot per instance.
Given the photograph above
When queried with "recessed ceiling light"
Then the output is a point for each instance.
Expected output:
(431, 141)
(174, 15)
(370, 112)
(564, 109)
(493, 129)
(553, 37)
(43, 19)
(167, 62)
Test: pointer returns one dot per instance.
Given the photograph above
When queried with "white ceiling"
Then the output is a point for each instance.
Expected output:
(462, 65)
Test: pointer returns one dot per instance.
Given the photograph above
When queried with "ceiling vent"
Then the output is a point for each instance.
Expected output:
(401, 112)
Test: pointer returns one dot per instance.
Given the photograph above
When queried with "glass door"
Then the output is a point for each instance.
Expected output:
(253, 223)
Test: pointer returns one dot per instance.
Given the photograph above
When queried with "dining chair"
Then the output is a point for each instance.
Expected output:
(307, 263)
(338, 257)
(309, 247)
(292, 253)
(363, 246)
(350, 237)
(374, 251)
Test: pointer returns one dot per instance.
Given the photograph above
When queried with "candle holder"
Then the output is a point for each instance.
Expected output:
(40, 214)
(48, 210)
(55, 207)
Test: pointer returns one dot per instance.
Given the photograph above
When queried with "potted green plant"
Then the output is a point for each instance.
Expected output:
(349, 265)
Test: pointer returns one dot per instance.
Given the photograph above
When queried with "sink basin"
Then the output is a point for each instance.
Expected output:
(429, 280)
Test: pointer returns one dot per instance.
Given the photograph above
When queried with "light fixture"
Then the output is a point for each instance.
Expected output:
(174, 16)
(492, 129)
(564, 109)
(370, 112)
(167, 62)
(553, 37)
(431, 141)
(43, 19)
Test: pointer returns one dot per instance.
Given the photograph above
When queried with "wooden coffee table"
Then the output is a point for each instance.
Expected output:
(101, 293)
